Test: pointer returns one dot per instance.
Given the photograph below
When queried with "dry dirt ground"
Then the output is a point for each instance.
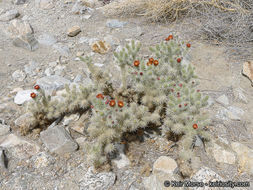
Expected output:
(218, 75)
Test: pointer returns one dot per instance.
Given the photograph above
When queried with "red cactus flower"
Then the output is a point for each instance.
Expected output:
(198, 90)
(179, 60)
(158, 78)
(37, 87)
(151, 60)
(149, 63)
(180, 105)
(185, 104)
(170, 37)
(33, 95)
(91, 106)
(188, 45)
(195, 126)
(112, 103)
(180, 85)
(141, 73)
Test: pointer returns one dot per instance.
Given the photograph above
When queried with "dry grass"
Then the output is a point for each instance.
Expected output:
(228, 21)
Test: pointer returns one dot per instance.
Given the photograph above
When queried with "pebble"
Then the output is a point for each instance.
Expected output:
(114, 23)
(4, 129)
(49, 72)
(19, 2)
(164, 164)
(9, 15)
(26, 41)
(248, 70)
(46, 39)
(121, 161)
(32, 68)
(58, 140)
(45, 4)
(23, 96)
(73, 31)
(62, 49)
(223, 100)
(18, 75)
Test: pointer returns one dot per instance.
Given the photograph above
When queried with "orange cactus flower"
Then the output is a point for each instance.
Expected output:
(112, 103)
(188, 45)
(195, 126)
(100, 96)
(151, 60)
(136, 63)
(149, 63)
(120, 104)
(170, 37)
(156, 62)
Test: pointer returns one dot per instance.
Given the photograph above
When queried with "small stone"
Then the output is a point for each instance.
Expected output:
(245, 156)
(248, 70)
(100, 47)
(32, 68)
(70, 118)
(9, 15)
(223, 100)
(239, 95)
(222, 155)
(18, 75)
(23, 96)
(121, 161)
(112, 40)
(62, 49)
(45, 4)
(86, 17)
(73, 31)
(79, 8)
(19, 28)
(52, 83)
(27, 41)
(78, 79)
(58, 140)
(115, 23)
(79, 53)
(47, 40)
(205, 175)
(41, 160)
(59, 70)
(103, 180)
(18, 147)
(4, 129)
(3, 159)
(234, 113)
(19, 2)
(164, 164)
(81, 141)
(49, 72)
(52, 64)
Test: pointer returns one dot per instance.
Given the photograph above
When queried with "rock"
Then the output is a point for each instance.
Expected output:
(221, 155)
(26, 122)
(86, 17)
(49, 72)
(4, 129)
(81, 141)
(239, 95)
(19, 28)
(100, 47)
(78, 79)
(92, 181)
(73, 31)
(90, 3)
(27, 41)
(205, 175)
(112, 40)
(3, 159)
(47, 40)
(41, 160)
(115, 23)
(79, 8)
(32, 68)
(234, 113)
(245, 156)
(248, 70)
(70, 118)
(52, 64)
(58, 140)
(122, 161)
(59, 70)
(18, 75)
(19, 2)
(45, 4)
(63, 50)
(164, 164)
(23, 96)
(223, 100)
(52, 83)
(18, 147)
(9, 15)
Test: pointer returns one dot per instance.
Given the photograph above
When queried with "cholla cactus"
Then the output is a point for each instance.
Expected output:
(161, 86)
(46, 109)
